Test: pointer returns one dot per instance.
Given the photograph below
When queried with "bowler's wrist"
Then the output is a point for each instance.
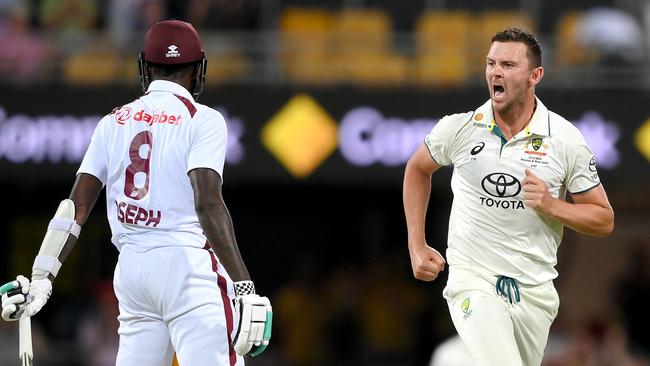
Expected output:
(551, 207)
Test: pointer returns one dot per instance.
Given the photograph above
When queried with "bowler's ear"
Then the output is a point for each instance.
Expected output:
(536, 75)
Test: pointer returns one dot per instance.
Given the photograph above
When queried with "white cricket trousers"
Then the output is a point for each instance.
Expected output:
(174, 299)
(496, 332)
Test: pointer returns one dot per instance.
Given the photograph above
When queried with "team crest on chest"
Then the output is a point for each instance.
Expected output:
(536, 146)
(535, 152)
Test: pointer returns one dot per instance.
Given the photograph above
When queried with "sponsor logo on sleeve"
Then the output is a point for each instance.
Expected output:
(592, 168)
(592, 164)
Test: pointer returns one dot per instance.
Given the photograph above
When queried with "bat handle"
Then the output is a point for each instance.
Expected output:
(25, 351)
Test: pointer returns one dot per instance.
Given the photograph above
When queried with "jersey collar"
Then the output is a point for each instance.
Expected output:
(539, 124)
(171, 87)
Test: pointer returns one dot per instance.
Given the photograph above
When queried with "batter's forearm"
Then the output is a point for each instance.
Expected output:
(217, 225)
(585, 218)
(84, 194)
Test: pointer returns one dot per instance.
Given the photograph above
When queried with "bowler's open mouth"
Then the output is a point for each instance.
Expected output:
(498, 90)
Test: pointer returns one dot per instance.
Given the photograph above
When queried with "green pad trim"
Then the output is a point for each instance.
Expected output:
(267, 334)
(7, 287)
(268, 326)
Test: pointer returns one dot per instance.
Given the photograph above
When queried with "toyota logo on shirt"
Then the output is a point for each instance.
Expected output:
(592, 164)
(501, 185)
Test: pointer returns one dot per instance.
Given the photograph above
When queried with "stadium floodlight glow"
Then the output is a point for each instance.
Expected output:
(45, 138)
(642, 139)
(301, 135)
(367, 137)
(65, 138)
(235, 151)
(601, 136)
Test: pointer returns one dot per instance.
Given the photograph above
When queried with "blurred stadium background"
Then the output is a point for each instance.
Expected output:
(325, 101)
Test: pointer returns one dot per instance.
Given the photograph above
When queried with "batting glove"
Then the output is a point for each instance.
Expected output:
(14, 298)
(39, 292)
(255, 320)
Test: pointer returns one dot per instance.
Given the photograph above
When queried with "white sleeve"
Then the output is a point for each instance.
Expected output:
(441, 140)
(582, 174)
(95, 161)
(208, 143)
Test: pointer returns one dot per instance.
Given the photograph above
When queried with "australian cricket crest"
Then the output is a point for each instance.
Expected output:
(464, 307)
(535, 152)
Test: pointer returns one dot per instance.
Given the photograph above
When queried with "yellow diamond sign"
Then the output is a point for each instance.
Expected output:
(642, 139)
(301, 135)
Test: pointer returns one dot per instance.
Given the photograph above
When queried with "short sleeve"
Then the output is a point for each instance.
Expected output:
(582, 174)
(208, 143)
(440, 141)
(95, 161)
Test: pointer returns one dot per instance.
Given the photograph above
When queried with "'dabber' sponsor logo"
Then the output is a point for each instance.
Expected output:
(124, 114)
(161, 117)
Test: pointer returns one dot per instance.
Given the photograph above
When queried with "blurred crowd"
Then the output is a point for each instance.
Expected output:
(38, 37)
(367, 42)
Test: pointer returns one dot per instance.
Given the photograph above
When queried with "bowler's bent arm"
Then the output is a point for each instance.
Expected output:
(416, 192)
(590, 214)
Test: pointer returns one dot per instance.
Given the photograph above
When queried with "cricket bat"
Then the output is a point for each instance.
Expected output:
(25, 352)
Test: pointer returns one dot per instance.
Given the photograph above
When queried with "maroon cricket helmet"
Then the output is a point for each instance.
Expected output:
(172, 42)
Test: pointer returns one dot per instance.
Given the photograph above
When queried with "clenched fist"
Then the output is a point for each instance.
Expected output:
(426, 263)
(536, 194)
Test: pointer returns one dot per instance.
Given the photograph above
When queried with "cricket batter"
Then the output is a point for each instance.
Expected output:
(514, 161)
(161, 159)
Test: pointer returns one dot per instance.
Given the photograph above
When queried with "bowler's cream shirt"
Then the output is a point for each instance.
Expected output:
(490, 228)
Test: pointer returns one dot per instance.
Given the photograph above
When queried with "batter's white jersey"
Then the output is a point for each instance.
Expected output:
(149, 198)
(490, 227)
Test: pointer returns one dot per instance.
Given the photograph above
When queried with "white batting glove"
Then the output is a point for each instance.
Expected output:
(14, 298)
(39, 292)
(255, 320)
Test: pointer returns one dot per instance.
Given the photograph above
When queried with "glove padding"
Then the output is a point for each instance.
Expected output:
(39, 292)
(255, 323)
(14, 298)
(22, 297)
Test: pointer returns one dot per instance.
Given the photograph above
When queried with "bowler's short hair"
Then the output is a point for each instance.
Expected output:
(529, 39)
